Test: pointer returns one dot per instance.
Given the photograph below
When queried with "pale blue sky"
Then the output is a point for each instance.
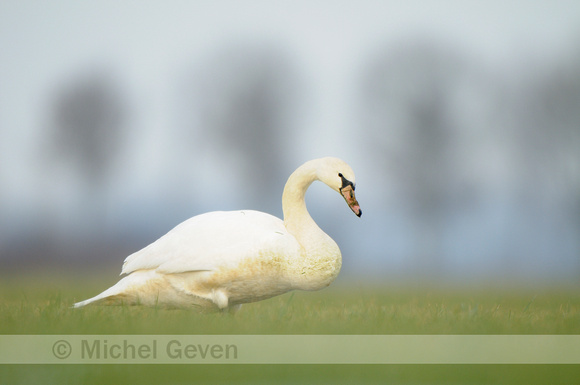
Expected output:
(151, 45)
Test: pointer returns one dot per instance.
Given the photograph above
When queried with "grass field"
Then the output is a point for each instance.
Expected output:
(41, 305)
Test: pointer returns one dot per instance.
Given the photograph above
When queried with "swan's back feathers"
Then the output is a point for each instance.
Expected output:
(214, 240)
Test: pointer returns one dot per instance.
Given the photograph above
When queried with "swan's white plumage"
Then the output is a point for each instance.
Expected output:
(223, 259)
(234, 235)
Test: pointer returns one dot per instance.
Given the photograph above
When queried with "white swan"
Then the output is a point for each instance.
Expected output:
(220, 260)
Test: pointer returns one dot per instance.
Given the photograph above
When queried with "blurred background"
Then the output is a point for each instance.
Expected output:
(461, 120)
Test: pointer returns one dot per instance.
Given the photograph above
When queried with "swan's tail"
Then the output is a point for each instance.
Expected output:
(149, 288)
(122, 292)
(106, 294)
(110, 293)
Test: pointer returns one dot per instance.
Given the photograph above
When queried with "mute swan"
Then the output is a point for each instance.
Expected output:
(220, 260)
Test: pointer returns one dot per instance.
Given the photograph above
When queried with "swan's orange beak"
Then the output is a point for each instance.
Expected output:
(348, 194)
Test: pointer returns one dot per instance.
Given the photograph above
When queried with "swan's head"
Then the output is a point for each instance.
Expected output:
(339, 176)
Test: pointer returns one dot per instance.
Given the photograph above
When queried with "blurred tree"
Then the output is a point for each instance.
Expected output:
(549, 141)
(550, 128)
(243, 103)
(409, 98)
(88, 122)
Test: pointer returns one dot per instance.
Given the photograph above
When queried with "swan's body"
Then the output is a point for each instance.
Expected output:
(224, 259)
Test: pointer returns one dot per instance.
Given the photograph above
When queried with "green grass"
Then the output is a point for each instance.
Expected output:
(41, 305)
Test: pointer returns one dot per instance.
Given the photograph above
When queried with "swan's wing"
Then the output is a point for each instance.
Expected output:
(213, 240)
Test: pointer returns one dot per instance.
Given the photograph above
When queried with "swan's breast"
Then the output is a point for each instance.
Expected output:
(318, 268)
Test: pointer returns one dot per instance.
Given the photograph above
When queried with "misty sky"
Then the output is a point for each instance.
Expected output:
(150, 44)
(152, 47)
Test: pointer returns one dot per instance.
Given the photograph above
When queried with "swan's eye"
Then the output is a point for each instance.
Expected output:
(345, 182)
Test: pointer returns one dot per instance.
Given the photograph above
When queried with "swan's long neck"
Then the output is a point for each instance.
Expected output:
(321, 254)
(296, 217)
